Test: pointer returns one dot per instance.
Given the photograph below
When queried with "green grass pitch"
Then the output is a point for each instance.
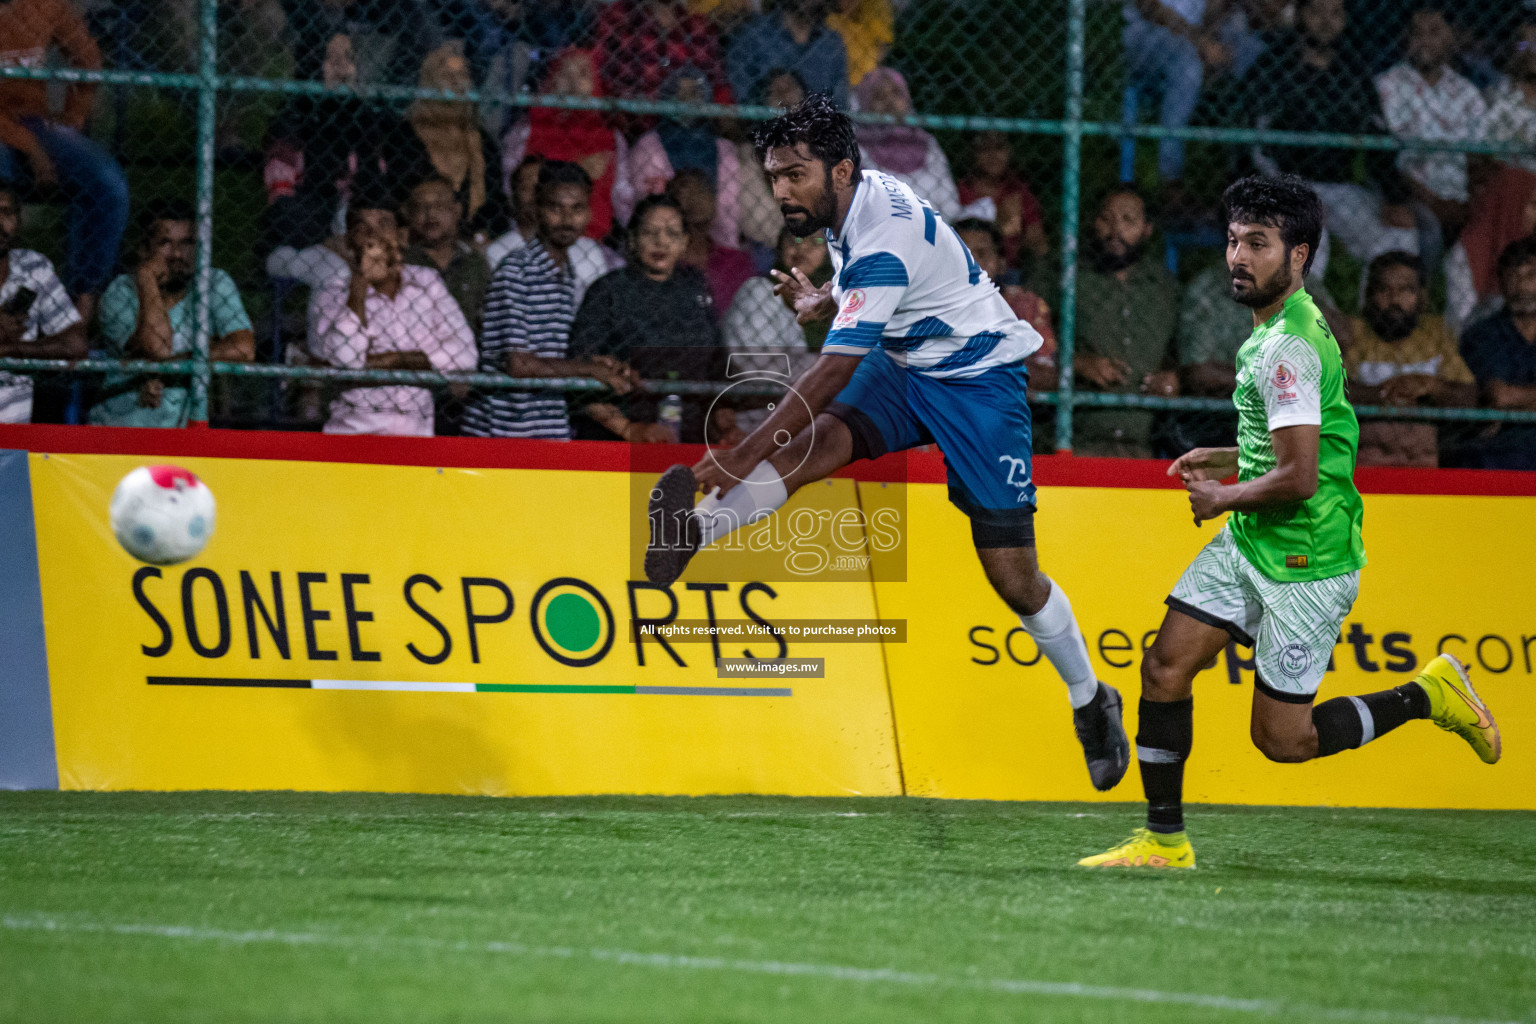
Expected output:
(296, 907)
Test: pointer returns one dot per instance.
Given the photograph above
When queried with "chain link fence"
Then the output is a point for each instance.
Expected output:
(328, 214)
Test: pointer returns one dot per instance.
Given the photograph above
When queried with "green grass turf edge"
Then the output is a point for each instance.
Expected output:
(385, 908)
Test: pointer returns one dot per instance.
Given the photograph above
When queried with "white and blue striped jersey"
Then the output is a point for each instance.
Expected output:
(905, 282)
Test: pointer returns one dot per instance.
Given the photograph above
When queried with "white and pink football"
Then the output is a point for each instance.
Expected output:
(162, 514)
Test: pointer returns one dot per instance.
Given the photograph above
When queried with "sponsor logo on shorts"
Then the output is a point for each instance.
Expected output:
(1295, 561)
(1018, 474)
(1295, 659)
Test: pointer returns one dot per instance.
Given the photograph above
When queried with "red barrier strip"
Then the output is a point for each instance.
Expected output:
(479, 453)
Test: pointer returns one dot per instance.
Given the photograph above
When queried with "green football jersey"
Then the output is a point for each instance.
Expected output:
(1290, 373)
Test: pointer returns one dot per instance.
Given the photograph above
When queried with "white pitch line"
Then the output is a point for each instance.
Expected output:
(675, 962)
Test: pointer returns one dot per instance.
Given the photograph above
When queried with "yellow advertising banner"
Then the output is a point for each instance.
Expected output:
(980, 715)
(407, 628)
(415, 629)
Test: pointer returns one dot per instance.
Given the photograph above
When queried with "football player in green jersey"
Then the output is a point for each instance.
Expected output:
(1282, 573)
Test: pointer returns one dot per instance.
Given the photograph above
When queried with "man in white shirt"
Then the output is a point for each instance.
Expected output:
(45, 325)
(387, 316)
(1422, 98)
(1511, 115)
(922, 349)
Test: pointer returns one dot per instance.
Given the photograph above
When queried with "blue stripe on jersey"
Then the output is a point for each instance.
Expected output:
(976, 348)
(972, 268)
(842, 247)
(929, 327)
(877, 270)
(901, 344)
(930, 227)
(865, 334)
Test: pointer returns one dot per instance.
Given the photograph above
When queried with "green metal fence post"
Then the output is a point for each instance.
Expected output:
(1071, 186)
(207, 95)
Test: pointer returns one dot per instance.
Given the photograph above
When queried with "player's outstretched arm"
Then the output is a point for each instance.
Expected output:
(817, 387)
(1293, 479)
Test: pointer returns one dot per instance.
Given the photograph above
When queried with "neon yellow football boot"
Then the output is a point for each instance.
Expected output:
(1455, 706)
(1143, 850)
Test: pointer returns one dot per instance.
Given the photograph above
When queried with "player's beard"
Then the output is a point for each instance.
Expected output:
(1391, 323)
(1259, 294)
(820, 217)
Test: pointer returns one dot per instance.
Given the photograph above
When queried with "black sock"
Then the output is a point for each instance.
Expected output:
(1163, 739)
(1345, 723)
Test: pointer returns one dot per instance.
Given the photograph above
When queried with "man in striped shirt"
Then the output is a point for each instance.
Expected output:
(922, 349)
(529, 309)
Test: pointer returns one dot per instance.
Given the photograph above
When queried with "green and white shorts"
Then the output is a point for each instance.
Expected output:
(1292, 627)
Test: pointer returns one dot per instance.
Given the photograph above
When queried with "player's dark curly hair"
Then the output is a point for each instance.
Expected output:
(1286, 203)
(826, 131)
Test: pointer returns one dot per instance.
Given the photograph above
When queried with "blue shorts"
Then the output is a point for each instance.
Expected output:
(980, 423)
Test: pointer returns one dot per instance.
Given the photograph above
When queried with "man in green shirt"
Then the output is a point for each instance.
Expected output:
(152, 314)
(1211, 329)
(1282, 574)
(1127, 310)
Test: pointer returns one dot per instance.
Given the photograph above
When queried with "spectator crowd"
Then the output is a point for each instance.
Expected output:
(561, 241)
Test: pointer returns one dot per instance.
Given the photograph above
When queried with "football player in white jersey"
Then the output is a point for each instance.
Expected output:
(922, 349)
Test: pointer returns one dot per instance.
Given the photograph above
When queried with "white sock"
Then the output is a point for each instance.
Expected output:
(761, 493)
(1055, 632)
